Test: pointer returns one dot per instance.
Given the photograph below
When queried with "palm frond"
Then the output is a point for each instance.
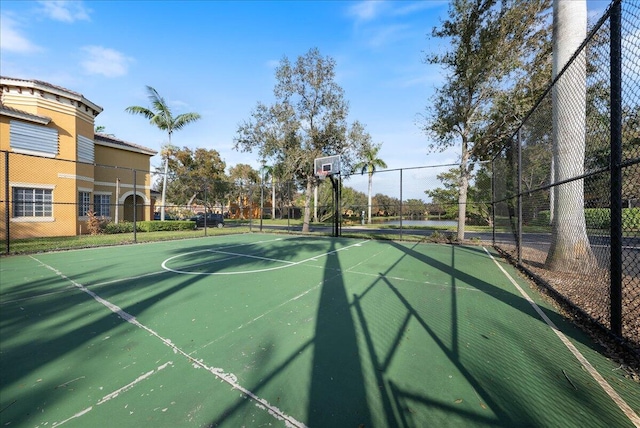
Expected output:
(159, 104)
(141, 111)
(185, 119)
(160, 114)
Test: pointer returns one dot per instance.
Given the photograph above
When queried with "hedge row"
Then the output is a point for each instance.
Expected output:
(148, 226)
(598, 218)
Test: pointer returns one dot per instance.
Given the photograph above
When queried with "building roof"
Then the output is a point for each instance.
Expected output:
(111, 141)
(19, 114)
(40, 85)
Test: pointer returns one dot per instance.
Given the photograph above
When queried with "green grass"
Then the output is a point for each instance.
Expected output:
(39, 245)
(412, 234)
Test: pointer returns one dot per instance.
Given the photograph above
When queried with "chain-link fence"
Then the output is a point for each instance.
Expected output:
(565, 209)
(567, 194)
(399, 199)
(424, 196)
(52, 198)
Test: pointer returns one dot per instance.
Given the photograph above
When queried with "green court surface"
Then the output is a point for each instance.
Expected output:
(273, 330)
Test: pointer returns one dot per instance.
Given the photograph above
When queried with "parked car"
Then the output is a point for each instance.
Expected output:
(213, 220)
(156, 216)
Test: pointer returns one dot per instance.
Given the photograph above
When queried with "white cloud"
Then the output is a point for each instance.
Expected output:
(369, 10)
(105, 61)
(12, 39)
(410, 8)
(385, 35)
(273, 63)
(179, 105)
(366, 10)
(65, 11)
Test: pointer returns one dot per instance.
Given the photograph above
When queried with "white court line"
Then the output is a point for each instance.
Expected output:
(248, 323)
(113, 394)
(626, 409)
(72, 288)
(113, 281)
(130, 278)
(397, 278)
(229, 378)
(293, 299)
(208, 262)
(130, 385)
(285, 263)
(36, 296)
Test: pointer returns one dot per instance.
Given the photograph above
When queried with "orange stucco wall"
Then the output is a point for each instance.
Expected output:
(63, 174)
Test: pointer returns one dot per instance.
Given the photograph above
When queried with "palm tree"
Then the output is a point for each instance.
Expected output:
(160, 115)
(369, 164)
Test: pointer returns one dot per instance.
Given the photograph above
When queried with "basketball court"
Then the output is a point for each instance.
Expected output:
(260, 329)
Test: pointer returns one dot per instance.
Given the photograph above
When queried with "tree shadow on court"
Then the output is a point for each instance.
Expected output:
(46, 320)
(337, 395)
(350, 372)
(40, 327)
(494, 375)
(341, 394)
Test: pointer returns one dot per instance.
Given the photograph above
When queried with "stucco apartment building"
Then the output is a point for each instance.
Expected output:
(54, 168)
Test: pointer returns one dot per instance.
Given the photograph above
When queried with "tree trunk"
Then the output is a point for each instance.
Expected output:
(307, 204)
(570, 248)
(315, 202)
(369, 198)
(164, 187)
(462, 191)
(552, 193)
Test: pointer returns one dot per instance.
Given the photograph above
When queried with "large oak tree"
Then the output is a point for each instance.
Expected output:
(491, 44)
(196, 176)
(307, 120)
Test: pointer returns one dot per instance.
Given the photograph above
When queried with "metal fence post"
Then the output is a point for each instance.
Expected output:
(289, 206)
(339, 204)
(135, 208)
(493, 204)
(8, 205)
(616, 168)
(519, 190)
(206, 204)
(401, 206)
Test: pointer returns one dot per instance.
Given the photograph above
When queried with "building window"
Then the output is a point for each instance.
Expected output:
(84, 204)
(28, 202)
(101, 204)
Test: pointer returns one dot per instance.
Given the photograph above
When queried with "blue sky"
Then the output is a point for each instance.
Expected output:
(218, 59)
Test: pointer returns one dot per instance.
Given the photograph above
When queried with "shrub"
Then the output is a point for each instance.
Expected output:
(122, 227)
(95, 224)
(543, 218)
(156, 226)
(631, 219)
(597, 218)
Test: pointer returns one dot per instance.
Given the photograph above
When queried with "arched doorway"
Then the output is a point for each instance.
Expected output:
(128, 208)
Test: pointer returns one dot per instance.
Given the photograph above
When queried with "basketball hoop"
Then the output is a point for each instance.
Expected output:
(327, 166)
(330, 166)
